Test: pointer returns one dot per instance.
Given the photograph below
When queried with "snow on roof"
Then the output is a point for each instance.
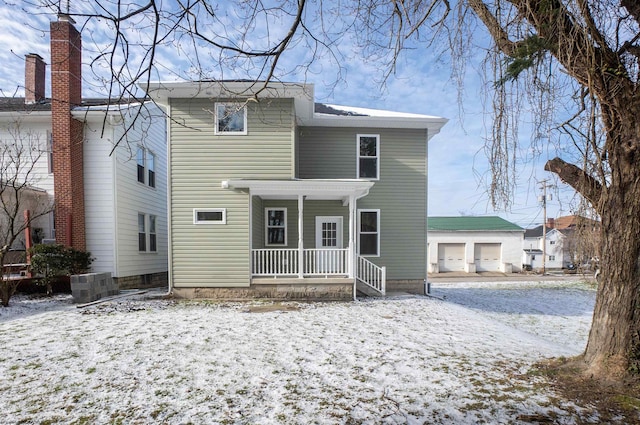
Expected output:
(366, 112)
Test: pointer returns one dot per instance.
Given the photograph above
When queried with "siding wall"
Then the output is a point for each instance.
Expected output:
(114, 197)
(399, 194)
(218, 255)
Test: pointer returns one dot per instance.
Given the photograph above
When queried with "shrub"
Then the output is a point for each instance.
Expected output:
(50, 261)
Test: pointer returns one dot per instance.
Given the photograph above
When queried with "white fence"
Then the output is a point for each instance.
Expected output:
(371, 274)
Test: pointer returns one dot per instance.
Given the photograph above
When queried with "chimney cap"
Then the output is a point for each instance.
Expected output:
(33, 55)
(63, 17)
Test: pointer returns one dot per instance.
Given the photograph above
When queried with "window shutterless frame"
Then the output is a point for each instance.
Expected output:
(368, 156)
(209, 216)
(230, 119)
(275, 226)
(369, 232)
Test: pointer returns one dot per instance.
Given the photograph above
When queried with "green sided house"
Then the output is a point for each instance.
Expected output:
(273, 195)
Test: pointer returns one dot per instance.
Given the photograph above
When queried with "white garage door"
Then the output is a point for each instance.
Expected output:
(451, 257)
(487, 257)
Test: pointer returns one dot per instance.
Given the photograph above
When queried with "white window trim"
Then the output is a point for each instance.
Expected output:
(139, 149)
(229, 133)
(266, 226)
(147, 169)
(145, 166)
(377, 157)
(377, 211)
(221, 210)
(147, 233)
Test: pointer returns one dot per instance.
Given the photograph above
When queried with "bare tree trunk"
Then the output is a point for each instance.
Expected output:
(613, 349)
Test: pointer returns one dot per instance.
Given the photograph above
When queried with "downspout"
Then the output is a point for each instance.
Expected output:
(427, 285)
(169, 237)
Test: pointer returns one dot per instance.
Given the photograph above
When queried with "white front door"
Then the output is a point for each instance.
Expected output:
(328, 240)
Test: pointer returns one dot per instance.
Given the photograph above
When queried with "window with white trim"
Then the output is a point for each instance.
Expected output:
(368, 164)
(151, 171)
(147, 237)
(369, 232)
(209, 216)
(140, 163)
(231, 118)
(552, 258)
(145, 165)
(275, 226)
(142, 233)
(153, 240)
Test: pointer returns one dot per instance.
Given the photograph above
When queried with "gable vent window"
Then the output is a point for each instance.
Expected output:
(231, 119)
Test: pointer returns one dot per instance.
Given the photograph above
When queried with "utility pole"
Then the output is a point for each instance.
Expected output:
(543, 199)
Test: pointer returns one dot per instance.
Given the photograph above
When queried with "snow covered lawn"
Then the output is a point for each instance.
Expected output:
(412, 360)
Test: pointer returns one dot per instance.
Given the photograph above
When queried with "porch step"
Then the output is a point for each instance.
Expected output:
(366, 290)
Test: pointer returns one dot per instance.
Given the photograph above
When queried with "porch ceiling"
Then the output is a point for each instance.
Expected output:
(311, 189)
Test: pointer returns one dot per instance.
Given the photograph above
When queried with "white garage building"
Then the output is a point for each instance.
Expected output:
(473, 244)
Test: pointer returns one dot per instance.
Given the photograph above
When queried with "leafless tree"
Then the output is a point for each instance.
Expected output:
(22, 154)
(570, 66)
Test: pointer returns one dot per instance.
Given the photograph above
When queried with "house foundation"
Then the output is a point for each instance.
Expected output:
(321, 289)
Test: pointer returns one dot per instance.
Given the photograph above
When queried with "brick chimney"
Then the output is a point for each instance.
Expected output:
(67, 132)
(551, 223)
(34, 78)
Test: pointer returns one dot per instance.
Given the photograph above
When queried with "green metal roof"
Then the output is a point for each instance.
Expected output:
(471, 223)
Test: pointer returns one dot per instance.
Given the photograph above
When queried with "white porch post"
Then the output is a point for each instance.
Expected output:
(352, 251)
(300, 237)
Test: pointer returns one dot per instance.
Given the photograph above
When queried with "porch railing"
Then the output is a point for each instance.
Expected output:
(286, 262)
(371, 275)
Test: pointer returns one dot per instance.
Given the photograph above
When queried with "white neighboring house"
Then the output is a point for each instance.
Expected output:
(533, 249)
(109, 200)
(473, 244)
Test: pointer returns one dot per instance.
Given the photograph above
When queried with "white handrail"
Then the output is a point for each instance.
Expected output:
(371, 275)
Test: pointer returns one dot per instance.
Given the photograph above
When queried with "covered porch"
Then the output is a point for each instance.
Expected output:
(305, 230)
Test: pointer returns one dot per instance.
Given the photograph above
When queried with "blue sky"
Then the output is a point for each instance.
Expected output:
(421, 84)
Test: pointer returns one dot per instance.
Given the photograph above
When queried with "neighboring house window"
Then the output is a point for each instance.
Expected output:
(152, 234)
(276, 226)
(210, 216)
(147, 237)
(369, 232)
(231, 118)
(142, 233)
(368, 156)
(552, 242)
(50, 151)
(533, 257)
(552, 258)
(140, 161)
(145, 160)
(151, 171)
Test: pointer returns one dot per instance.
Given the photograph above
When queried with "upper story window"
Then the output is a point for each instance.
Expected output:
(368, 165)
(276, 226)
(145, 160)
(231, 118)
